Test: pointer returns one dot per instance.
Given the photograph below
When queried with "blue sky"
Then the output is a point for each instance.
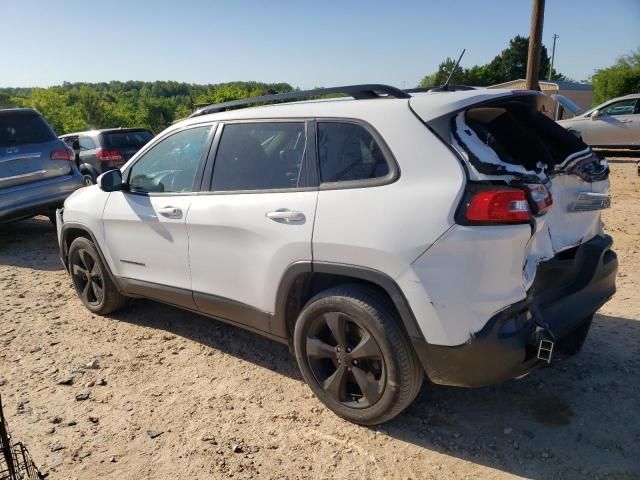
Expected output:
(305, 43)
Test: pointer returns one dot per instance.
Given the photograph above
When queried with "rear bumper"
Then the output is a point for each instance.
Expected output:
(567, 291)
(36, 198)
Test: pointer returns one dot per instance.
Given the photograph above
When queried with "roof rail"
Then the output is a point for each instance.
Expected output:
(358, 92)
(449, 88)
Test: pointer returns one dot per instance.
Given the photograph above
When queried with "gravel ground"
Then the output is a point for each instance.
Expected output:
(154, 392)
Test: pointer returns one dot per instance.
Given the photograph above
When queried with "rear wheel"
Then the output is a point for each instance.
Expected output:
(91, 280)
(355, 356)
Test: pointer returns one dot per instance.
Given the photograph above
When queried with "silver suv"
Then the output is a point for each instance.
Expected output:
(37, 170)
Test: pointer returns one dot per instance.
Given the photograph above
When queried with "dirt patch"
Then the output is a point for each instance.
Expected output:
(550, 410)
(155, 392)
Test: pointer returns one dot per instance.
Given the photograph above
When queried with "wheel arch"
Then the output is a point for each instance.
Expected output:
(88, 168)
(69, 232)
(303, 280)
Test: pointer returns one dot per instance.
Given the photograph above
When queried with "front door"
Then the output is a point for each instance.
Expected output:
(255, 222)
(145, 229)
(616, 124)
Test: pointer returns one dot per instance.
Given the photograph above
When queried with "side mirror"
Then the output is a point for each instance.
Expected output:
(75, 145)
(595, 115)
(110, 181)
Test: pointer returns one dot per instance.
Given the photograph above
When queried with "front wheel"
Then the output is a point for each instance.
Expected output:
(88, 180)
(354, 355)
(91, 280)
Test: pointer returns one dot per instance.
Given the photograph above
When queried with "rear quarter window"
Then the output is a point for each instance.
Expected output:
(349, 152)
(21, 129)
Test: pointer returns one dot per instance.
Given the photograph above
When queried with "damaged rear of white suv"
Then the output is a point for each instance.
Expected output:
(528, 243)
(381, 236)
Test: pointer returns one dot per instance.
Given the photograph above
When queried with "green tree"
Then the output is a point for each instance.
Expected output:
(444, 70)
(620, 79)
(56, 104)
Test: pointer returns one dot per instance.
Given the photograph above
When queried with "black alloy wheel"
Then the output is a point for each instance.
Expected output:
(353, 354)
(91, 278)
(88, 277)
(345, 360)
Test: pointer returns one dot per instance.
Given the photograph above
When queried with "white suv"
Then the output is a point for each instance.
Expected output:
(381, 236)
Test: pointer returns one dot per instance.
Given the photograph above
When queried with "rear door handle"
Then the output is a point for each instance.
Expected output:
(170, 212)
(285, 216)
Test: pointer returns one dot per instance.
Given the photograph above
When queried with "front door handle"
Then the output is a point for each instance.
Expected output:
(285, 216)
(170, 212)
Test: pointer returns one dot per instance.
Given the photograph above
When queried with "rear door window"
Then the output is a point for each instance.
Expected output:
(260, 156)
(23, 129)
(349, 152)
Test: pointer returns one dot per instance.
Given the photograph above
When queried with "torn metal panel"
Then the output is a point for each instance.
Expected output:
(576, 176)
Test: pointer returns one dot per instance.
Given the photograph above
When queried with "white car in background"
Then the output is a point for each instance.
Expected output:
(387, 236)
(614, 124)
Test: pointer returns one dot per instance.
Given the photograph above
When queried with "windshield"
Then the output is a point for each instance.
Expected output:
(22, 129)
(129, 138)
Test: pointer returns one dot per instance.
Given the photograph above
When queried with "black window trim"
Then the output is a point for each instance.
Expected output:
(309, 162)
(389, 178)
(197, 181)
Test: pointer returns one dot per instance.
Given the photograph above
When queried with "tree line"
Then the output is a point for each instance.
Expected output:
(622, 78)
(73, 107)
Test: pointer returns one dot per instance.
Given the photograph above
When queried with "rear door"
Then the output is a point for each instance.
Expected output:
(27, 146)
(255, 220)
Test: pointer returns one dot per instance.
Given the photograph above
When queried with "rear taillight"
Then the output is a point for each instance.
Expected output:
(109, 155)
(63, 153)
(540, 198)
(498, 205)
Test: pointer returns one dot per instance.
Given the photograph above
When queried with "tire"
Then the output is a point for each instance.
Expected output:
(91, 279)
(88, 179)
(52, 219)
(366, 372)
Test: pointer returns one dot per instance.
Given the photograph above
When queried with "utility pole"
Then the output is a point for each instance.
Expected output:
(535, 45)
(553, 54)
